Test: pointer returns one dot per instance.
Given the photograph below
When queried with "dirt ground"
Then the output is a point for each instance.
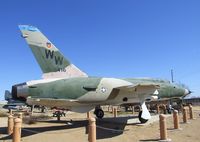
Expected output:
(108, 130)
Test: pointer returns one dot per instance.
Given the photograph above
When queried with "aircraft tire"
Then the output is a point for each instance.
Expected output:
(141, 119)
(99, 113)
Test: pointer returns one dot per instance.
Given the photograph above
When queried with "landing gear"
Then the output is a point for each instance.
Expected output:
(144, 115)
(142, 120)
(99, 112)
(58, 114)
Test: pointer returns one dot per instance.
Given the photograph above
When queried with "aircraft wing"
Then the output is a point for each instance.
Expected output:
(143, 89)
(139, 88)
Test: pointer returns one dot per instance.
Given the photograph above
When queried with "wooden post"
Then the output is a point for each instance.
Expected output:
(32, 109)
(115, 112)
(184, 115)
(133, 110)
(92, 130)
(112, 109)
(164, 109)
(10, 111)
(109, 108)
(118, 109)
(191, 112)
(163, 127)
(58, 116)
(176, 119)
(17, 130)
(182, 107)
(88, 115)
(158, 108)
(20, 116)
(10, 124)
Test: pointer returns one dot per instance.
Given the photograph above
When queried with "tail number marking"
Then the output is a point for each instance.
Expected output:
(50, 55)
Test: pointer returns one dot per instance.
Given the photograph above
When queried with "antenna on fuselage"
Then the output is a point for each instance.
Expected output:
(172, 76)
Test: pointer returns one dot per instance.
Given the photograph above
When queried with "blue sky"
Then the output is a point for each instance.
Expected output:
(111, 38)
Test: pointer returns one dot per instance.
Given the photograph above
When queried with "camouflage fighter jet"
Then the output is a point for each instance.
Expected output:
(65, 86)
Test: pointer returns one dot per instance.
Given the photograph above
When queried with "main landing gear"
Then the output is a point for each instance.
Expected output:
(58, 114)
(99, 112)
(142, 120)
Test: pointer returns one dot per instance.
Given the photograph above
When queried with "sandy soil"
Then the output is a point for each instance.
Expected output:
(76, 130)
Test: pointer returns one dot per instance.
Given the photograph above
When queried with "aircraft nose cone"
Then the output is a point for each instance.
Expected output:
(187, 92)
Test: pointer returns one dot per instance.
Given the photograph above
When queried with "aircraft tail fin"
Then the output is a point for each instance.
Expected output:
(50, 59)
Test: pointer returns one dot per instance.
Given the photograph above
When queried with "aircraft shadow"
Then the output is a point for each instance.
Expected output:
(27, 131)
(109, 129)
(106, 128)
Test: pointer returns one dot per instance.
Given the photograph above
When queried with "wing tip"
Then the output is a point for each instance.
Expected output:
(28, 28)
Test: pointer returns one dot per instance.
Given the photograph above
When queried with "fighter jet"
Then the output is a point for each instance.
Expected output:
(65, 86)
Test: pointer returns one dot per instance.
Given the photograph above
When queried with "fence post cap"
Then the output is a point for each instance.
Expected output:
(92, 119)
(10, 116)
(176, 111)
(18, 120)
(162, 116)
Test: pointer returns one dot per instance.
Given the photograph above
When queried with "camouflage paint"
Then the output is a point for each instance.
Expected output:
(44, 51)
(166, 90)
(71, 88)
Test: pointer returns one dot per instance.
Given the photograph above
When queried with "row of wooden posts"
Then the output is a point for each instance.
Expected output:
(162, 123)
(15, 124)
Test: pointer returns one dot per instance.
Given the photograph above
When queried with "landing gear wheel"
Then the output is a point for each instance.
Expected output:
(142, 120)
(99, 113)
